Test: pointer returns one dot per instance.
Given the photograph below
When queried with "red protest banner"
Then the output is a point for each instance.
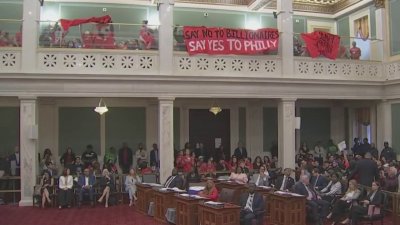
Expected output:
(322, 43)
(66, 24)
(219, 41)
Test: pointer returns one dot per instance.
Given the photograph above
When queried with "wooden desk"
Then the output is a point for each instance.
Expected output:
(162, 201)
(267, 194)
(228, 215)
(186, 210)
(143, 197)
(287, 210)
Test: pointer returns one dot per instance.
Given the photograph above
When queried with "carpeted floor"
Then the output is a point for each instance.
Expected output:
(116, 215)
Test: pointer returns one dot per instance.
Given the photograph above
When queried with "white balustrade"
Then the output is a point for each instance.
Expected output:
(129, 62)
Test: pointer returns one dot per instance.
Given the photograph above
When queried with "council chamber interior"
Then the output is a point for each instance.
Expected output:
(110, 74)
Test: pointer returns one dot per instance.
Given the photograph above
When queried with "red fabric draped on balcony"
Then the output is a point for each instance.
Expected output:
(66, 24)
(322, 43)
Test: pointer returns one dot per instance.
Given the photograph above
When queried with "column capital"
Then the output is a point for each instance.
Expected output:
(288, 99)
(379, 4)
(166, 99)
(27, 98)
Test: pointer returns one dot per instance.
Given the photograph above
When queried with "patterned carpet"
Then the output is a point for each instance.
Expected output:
(116, 215)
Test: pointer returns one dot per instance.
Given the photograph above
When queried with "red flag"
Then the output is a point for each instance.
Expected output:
(66, 24)
(322, 43)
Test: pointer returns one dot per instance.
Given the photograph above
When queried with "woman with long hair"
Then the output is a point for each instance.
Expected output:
(46, 184)
(107, 184)
(210, 191)
(343, 205)
(257, 163)
(65, 184)
(238, 176)
(130, 185)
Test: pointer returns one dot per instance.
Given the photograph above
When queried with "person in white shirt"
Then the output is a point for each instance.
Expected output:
(262, 178)
(130, 185)
(141, 153)
(65, 189)
(319, 152)
(344, 203)
(333, 188)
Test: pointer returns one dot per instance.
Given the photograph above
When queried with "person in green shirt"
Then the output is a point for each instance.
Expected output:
(332, 149)
(110, 158)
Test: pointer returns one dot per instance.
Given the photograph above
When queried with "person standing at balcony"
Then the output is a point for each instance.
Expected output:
(125, 158)
(146, 35)
(89, 156)
(109, 39)
(355, 52)
(87, 38)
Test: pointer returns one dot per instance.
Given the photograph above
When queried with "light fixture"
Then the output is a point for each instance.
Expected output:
(101, 109)
(215, 109)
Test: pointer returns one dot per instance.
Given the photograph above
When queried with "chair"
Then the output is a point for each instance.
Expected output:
(149, 178)
(375, 212)
(226, 195)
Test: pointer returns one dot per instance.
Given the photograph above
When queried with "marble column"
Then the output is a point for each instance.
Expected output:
(337, 123)
(28, 148)
(254, 129)
(384, 123)
(382, 32)
(151, 125)
(166, 136)
(166, 40)
(286, 133)
(285, 26)
(30, 29)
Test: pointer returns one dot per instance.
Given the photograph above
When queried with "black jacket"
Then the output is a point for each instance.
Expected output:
(366, 170)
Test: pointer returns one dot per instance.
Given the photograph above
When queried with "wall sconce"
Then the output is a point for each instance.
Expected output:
(101, 109)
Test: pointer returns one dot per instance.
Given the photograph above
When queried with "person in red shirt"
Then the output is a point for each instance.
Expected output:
(187, 161)
(233, 163)
(87, 38)
(210, 191)
(179, 160)
(109, 40)
(146, 36)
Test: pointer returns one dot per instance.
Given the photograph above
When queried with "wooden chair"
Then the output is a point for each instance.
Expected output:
(226, 195)
(375, 212)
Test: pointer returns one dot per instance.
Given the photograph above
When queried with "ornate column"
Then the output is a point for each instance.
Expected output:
(285, 26)
(384, 123)
(382, 29)
(31, 14)
(28, 148)
(166, 41)
(166, 136)
(286, 133)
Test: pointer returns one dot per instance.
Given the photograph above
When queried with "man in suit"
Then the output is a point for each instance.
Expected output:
(252, 206)
(318, 207)
(86, 184)
(125, 158)
(240, 151)
(366, 170)
(318, 182)
(175, 180)
(155, 156)
(285, 182)
(262, 178)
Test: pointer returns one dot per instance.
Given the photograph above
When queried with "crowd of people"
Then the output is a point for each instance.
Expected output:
(7, 40)
(102, 36)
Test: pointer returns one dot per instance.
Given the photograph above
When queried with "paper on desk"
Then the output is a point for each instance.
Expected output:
(184, 195)
(214, 203)
(196, 188)
(342, 145)
(176, 189)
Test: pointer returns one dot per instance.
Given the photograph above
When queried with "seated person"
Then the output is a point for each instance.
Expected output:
(248, 164)
(374, 197)
(210, 191)
(65, 184)
(333, 188)
(46, 185)
(107, 185)
(344, 203)
(239, 176)
(77, 168)
(318, 181)
(130, 185)
(210, 169)
(85, 185)
(252, 206)
(285, 182)
(175, 180)
(318, 207)
(222, 165)
(261, 178)
(192, 177)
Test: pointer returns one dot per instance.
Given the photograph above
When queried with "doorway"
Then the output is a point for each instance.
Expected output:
(210, 129)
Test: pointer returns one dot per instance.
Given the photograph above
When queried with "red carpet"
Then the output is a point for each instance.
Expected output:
(116, 215)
